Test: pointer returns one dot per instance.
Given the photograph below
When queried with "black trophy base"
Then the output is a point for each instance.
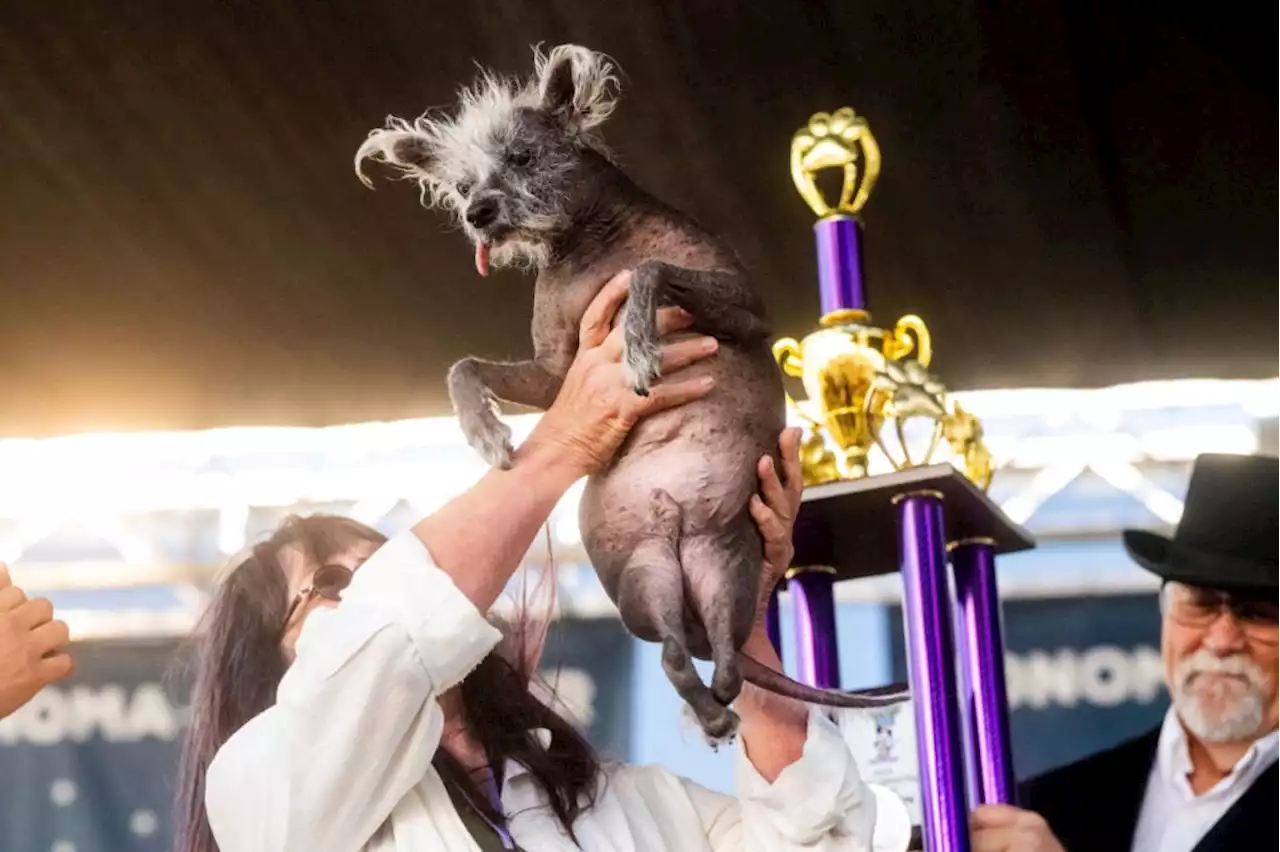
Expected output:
(852, 526)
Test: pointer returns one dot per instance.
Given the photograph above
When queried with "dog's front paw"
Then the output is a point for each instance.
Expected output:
(642, 361)
(488, 436)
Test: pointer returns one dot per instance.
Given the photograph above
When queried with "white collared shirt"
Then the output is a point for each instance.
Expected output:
(1173, 818)
(342, 761)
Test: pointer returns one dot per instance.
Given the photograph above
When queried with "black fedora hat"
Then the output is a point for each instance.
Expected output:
(1227, 536)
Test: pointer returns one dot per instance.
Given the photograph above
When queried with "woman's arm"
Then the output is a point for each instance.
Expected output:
(773, 728)
(479, 538)
(356, 722)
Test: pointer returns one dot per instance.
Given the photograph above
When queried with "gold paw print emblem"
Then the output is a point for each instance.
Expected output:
(835, 141)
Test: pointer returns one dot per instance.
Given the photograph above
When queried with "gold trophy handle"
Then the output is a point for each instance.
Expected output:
(786, 351)
(909, 334)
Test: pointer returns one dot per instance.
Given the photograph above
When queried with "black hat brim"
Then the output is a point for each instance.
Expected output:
(1171, 561)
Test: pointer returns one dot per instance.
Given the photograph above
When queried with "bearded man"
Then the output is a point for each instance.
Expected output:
(1205, 779)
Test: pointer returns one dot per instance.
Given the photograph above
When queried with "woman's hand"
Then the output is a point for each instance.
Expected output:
(775, 513)
(596, 406)
(479, 537)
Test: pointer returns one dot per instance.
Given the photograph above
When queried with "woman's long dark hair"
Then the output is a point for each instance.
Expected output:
(239, 664)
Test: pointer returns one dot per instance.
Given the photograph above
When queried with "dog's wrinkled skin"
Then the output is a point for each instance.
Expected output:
(667, 526)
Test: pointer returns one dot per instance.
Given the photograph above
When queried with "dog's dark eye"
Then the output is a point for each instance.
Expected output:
(463, 187)
(520, 156)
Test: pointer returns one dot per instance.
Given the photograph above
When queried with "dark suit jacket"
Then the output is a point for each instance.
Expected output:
(1092, 805)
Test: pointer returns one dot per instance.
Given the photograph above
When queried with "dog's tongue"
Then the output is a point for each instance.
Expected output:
(482, 258)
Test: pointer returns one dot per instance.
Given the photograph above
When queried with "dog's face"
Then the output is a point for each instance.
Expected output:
(508, 163)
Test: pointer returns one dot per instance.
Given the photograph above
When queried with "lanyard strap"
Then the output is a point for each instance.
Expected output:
(496, 800)
(500, 830)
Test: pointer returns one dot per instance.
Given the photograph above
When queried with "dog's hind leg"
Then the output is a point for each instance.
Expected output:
(723, 574)
(651, 601)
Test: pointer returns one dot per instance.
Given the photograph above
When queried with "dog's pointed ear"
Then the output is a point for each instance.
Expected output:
(577, 85)
(412, 150)
(400, 145)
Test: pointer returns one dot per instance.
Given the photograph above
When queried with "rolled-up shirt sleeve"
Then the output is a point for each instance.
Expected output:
(356, 722)
(820, 802)
(817, 804)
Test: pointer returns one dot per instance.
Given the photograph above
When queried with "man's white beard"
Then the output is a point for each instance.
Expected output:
(1219, 709)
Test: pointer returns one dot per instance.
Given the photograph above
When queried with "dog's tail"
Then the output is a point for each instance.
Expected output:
(758, 674)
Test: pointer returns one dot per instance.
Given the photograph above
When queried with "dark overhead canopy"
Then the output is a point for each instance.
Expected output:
(1073, 194)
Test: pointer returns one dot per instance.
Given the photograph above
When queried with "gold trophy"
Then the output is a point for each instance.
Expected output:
(859, 377)
(864, 384)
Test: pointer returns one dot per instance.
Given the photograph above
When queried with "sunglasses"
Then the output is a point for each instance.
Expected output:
(1200, 608)
(328, 582)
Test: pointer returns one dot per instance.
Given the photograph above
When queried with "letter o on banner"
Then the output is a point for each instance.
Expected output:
(1104, 676)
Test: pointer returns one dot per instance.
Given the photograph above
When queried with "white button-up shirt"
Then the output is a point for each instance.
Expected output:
(1173, 818)
(342, 761)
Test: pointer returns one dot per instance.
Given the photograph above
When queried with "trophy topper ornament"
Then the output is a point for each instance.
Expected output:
(835, 141)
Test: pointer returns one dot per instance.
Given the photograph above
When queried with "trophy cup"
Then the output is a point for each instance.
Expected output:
(864, 385)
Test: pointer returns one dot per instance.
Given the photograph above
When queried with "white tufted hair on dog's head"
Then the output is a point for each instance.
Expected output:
(515, 142)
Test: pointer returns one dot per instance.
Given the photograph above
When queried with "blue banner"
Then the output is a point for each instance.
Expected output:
(89, 764)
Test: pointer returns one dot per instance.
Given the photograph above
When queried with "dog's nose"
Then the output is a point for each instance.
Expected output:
(482, 212)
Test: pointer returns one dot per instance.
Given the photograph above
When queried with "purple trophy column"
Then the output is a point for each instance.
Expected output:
(927, 610)
(982, 658)
(840, 278)
(840, 287)
(817, 657)
(811, 586)
(964, 689)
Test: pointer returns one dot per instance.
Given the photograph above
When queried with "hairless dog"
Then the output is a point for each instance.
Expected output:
(667, 526)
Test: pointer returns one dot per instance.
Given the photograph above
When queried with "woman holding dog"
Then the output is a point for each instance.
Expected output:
(402, 720)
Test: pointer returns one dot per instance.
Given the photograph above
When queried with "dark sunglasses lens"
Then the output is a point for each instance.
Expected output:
(330, 580)
(1257, 612)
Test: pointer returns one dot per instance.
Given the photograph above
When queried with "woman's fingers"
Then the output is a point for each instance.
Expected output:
(767, 520)
(792, 475)
(598, 331)
(597, 320)
(685, 352)
(666, 395)
(672, 319)
(775, 496)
